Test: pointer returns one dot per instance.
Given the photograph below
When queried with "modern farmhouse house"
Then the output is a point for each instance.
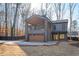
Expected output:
(59, 29)
(40, 28)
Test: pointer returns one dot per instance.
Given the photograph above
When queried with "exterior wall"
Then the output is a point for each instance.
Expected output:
(38, 32)
(37, 37)
(45, 33)
(59, 36)
(59, 27)
(59, 31)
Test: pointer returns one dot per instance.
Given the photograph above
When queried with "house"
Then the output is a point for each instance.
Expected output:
(40, 28)
(59, 29)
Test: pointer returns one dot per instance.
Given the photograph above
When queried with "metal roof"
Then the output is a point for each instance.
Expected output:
(37, 19)
(60, 21)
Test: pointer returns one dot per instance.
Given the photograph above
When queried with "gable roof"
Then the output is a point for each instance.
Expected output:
(37, 19)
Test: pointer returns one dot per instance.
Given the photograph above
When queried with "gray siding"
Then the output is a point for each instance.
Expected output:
(59, 27)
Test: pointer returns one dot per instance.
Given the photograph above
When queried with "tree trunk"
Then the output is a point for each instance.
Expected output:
(14, 21)
(70, 19)
(6, 28)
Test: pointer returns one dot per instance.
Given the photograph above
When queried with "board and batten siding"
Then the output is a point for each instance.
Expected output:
(59, 30)
(59, 27)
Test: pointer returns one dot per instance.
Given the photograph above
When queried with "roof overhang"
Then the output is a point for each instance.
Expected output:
(36, 20)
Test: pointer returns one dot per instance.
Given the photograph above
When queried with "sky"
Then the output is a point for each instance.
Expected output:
(75, 15)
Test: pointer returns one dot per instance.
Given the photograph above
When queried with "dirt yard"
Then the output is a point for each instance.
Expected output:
(61, 49)
(11, 50)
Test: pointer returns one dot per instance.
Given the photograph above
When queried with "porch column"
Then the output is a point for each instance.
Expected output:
(46, 32)
(26, 31)
(65, 37)
(58, 36)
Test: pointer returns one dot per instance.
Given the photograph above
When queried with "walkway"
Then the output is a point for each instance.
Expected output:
(21, 42)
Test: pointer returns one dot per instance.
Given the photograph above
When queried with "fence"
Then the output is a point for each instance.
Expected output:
(11, 38)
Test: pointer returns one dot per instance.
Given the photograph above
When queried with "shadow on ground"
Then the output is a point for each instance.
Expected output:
(75, 44)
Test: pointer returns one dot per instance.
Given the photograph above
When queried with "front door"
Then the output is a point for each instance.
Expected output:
(55, 37)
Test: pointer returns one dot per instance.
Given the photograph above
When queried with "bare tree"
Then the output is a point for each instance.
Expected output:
(50, 12)
(63, 11)
(25, 10)
(74, 24)
(6, 33)
(44, 11)
(14, 21)
(56, 10)
(25, 14)
(59, 10)
(2, 13)
(71, 11)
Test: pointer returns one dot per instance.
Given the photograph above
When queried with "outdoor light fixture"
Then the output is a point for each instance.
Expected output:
(29, 24)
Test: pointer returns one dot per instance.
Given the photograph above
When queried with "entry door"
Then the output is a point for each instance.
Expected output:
(62, 37)
(55, 37)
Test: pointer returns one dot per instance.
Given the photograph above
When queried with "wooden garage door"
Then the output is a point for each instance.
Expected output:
(36, 37)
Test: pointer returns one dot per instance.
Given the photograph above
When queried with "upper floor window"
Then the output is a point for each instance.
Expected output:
(54, 27)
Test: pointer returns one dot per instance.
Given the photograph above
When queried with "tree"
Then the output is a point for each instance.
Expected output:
(71, 11)
(63, 11)
(6, 28)
(59, 10)
(25, 14)
(74, 24)
(14, 21)
(44, 11)
(50, 12)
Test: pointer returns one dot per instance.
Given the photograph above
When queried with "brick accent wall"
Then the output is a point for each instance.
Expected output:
(37, 37)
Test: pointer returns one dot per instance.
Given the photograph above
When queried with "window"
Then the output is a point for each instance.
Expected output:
(38, 27)
(54, 27)
(61, 36)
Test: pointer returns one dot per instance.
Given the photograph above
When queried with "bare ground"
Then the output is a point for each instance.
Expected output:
(61, 49)
(11, 50)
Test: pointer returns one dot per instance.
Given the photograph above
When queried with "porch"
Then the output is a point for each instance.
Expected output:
(38, 28)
